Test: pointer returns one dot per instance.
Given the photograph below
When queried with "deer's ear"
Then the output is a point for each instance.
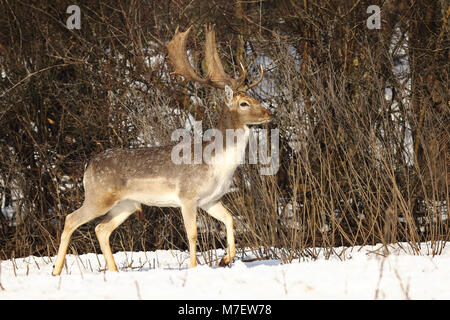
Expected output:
(228, 96)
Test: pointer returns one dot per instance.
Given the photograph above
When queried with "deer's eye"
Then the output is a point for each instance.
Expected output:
(244, 104)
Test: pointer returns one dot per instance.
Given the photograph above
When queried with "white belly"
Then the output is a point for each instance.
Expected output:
(158, 200)
(154, 192)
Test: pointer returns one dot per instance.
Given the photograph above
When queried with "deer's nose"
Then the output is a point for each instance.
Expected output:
(266, 116)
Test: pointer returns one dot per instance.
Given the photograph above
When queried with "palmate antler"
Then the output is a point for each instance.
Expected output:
(216, 76)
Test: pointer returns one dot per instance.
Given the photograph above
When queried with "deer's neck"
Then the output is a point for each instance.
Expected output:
(235, 138)
(230, 124)
(230, 120)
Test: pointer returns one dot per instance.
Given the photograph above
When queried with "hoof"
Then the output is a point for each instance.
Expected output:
(223, 262)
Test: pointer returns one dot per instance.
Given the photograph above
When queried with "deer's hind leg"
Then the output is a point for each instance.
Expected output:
(87, 212)
(115, 217)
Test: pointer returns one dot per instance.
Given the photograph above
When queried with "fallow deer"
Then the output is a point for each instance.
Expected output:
(117, 181)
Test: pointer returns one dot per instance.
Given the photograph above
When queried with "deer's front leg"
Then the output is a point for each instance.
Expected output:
(219, 212)
(189, 212)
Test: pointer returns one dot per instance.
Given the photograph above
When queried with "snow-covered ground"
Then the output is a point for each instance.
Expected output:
(350, 273)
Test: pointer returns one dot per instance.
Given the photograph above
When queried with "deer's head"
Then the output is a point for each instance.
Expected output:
(245, 109)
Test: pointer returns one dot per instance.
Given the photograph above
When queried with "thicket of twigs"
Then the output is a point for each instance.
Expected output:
(363, 117)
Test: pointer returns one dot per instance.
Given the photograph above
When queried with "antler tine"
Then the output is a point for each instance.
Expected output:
(241, 79)
(261, 75)
(178, 58)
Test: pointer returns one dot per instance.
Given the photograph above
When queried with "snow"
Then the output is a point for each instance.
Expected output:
(349, 273)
